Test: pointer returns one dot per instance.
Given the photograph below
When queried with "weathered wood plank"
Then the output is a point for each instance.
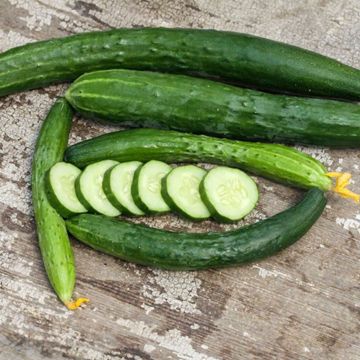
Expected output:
(301, 304)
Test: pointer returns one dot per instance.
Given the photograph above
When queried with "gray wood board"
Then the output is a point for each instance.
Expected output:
(301, 304)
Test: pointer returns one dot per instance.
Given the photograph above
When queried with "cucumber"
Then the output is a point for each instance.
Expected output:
(180, 190)
(89, 188)
(60, 187)
(54, 243)
(244, 58)
(202, 106)
(146, 187)
(228, 193)
(272, 161)
(194, 251)
(117, 187)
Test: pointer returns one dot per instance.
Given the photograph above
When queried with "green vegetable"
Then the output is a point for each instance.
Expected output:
(245, 58)
(180, 190)
(228, 193)
(273, 161)
(60, 189)
(192, 251)
(146, 187)
(117, 187)
(146, 99)
(89, 189)
(53, 239)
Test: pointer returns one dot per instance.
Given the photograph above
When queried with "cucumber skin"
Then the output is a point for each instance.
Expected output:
(189, 251)
(111, 197)
(172, 204)
(245, 58)
(54, 243)
(202, 106)
(276, 162)
(53, 200)
(136, 195)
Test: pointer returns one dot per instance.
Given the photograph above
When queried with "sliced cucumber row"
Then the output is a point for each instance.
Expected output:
(133, 188)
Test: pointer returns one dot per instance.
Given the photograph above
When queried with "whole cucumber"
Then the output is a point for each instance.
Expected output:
(277, 162)
(194, 251)
(178, 102)
(54, 243)
(248, 59)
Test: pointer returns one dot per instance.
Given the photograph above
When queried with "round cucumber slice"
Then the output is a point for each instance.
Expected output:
(229, 193)
(60, 189)
(146, 187)
(117, 187)
(90, 191)
(181, 192)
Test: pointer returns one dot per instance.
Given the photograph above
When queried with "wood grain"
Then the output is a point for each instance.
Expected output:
(301, 304)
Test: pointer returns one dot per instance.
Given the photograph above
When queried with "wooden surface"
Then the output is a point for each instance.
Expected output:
(301, 304)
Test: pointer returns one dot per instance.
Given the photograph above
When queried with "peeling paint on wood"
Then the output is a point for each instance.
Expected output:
(301, 304)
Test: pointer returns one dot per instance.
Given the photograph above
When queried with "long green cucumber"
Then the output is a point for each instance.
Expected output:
(277, 162)
(54, 243)
(244, 58)
(178, 102)
(194, 251)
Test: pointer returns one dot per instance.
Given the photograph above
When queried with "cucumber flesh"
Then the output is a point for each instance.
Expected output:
(181, 192)
(146, 187)
(229, 193)
(117, 187)
(89, 188)
(60, 186)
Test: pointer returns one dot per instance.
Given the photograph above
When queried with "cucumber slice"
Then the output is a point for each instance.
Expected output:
(181, 192)
(117, 187)
(89, 188)
(228, 193)
(60, 189)
(146, 187)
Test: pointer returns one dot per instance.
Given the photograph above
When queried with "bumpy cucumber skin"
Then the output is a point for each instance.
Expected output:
(245, 58)
(201, 106)
(137, 198)
(276, 162)
(53, 239)
(112, 198)
(173, 206)
(189, 251)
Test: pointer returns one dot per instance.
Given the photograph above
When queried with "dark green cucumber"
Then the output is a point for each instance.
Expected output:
(178, 102)
(193, 251)
(53, 239)
(277, 162)
(245, 58)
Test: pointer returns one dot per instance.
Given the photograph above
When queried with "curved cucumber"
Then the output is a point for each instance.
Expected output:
(117, 187)
(276, 162)
(146, 187)
(202, 106)
(53, 239)
(60, 189)
(180, 190)
(89, 189)
(189, 251)
(248, 59)
(228, 193)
